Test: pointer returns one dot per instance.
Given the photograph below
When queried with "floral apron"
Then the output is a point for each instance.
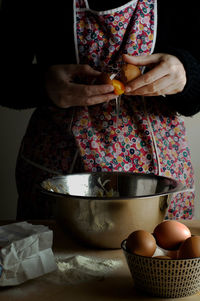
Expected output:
(135, 141)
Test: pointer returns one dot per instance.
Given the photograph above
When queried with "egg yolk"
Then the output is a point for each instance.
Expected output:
(119, 87)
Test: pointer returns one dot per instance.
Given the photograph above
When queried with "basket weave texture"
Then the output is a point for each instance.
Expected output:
(167, 278)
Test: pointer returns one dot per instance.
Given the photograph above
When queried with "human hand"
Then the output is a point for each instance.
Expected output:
(166, 76)
(64, 91)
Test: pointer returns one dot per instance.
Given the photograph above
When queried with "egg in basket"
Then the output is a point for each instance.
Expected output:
(165, 263)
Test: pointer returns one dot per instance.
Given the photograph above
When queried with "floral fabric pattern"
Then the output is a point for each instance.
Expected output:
(106, 145)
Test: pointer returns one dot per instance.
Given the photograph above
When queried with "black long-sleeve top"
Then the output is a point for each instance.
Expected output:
(44, 29)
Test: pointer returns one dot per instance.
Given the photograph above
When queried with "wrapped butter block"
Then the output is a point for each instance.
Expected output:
(25, 252)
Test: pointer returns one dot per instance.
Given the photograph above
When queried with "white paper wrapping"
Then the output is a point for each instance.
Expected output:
(25, 252)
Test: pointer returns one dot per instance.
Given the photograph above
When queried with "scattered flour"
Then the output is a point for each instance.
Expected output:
(70, 270)
(78, 268)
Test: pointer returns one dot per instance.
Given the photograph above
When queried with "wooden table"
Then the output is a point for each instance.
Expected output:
(116, 286)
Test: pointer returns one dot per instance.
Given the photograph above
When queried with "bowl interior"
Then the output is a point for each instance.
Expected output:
(111, 185)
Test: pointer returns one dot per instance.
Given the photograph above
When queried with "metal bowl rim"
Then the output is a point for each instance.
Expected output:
(178, 189)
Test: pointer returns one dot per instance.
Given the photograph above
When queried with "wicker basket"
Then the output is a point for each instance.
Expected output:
(169, 278)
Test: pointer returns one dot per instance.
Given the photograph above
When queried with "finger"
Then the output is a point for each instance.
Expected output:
(163, 93)
(98, 99)
(142, 60)
(65, 102)
(167, 90)
(148, 78)
(89, 90)
(154, 88)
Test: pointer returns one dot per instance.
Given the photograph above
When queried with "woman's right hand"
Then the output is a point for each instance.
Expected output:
(64, 91)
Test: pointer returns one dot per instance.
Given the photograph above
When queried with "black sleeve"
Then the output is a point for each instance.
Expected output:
(187, 102)
(178, 32)
(22, 82)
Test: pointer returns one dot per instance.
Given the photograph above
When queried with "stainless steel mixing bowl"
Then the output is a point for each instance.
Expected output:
(102, 209)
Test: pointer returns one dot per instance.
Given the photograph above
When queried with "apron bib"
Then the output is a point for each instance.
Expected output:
(140, 141)
(106, 142)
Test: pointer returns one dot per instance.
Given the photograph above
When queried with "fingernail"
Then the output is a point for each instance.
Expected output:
(109, 88)
(128, 89)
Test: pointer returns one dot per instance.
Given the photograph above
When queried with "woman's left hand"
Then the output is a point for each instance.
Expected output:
(166, 75)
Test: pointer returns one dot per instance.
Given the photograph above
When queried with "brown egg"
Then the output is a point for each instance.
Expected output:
(141, 242)
(104, 78)
(129, 72)
(190, 248)
(173, 254)
(170, 234)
